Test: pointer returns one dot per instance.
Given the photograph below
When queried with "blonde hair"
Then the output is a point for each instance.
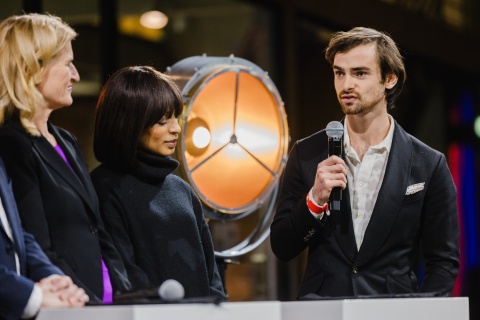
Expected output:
(27, 44)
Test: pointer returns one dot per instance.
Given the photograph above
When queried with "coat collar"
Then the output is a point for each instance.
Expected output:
(77, 175)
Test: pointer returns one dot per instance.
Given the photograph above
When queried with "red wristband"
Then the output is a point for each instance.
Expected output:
(314, 207)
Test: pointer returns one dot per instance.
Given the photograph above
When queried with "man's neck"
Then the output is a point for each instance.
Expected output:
(365, 131)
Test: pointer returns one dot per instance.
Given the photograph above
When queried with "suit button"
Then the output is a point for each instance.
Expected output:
(9, 249)
(93, 230)
(355, 270)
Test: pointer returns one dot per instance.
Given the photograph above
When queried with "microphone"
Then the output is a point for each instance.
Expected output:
(169, 291)
(334, 132)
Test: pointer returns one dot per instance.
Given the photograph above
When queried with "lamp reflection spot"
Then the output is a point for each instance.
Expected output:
(201, 137)
(197, 136)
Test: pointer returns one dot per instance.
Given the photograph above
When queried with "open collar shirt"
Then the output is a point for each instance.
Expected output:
(365, 178)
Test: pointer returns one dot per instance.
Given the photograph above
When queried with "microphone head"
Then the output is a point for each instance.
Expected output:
(334, 129)
(171, 290)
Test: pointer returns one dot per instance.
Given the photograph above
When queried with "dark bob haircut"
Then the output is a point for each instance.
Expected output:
(131, 102)
(388, 55)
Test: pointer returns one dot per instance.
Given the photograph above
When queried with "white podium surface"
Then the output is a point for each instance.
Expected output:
(268, 310)
(348, 309)
(378, 309)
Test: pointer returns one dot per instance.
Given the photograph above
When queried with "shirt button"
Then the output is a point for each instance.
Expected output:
(354, 270)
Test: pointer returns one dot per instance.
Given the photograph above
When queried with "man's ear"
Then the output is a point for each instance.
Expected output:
(391, 80)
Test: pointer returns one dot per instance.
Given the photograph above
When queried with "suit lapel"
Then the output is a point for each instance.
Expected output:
(11, 212)
(78, 165)
(344, 227)
(53, 160)
(390, 196)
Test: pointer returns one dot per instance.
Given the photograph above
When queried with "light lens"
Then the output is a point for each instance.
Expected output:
(201, 137)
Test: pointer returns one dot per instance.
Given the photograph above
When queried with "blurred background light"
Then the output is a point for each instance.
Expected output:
(153, 19)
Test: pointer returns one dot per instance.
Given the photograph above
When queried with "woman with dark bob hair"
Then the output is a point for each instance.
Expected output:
(154, 217)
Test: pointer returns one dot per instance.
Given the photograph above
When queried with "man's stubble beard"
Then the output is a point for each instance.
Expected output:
(352, 108)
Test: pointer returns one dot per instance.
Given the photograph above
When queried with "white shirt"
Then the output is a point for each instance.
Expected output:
(365, 178)
(35, 300)
(8, 230)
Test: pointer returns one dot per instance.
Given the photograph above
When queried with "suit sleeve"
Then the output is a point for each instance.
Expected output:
(293, 227)
(440, 232)
(38, 264)
(13, 302)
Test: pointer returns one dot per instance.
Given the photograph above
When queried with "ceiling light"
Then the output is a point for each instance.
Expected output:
(153, 19)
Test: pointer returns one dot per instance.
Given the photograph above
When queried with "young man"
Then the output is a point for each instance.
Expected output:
(28, 280)
(398, 193)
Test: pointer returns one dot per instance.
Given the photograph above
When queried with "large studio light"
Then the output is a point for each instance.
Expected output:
(234, 139)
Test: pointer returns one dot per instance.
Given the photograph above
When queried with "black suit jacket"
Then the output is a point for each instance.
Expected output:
(15, 289)
(400, 225)
(59, 206)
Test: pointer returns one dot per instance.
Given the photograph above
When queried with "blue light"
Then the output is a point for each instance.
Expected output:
(469, 203)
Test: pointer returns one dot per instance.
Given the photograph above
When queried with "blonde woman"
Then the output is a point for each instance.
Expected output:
(56, 199)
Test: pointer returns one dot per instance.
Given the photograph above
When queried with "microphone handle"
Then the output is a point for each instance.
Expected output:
(335, 148)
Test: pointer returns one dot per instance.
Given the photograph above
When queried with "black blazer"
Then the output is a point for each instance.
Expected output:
(58, 205)
(400, 223)
(15, 289)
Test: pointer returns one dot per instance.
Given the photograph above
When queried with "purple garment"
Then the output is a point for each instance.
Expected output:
(107, 284)
(62, 154)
